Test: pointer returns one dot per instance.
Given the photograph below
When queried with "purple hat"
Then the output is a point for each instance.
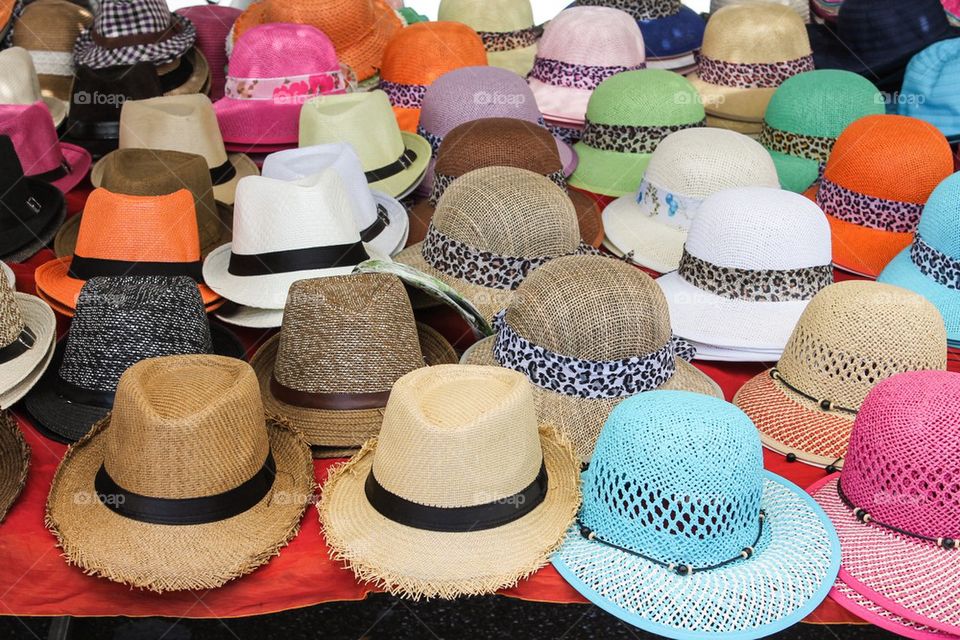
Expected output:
(213, 24)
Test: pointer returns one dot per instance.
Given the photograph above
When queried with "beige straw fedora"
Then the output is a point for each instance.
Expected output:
(48, 30)
(14, 462)
(463, 492)
(27, 331)
(588, 332)
(344, 341)
(19, 83)
(184, 485)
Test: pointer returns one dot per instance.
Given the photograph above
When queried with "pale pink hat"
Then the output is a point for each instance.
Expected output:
(580, 48)
(42, 155)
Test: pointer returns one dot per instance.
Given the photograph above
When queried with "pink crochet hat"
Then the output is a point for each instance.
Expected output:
(42, 155)
(213, 24)
(896, 506)
(274, 69)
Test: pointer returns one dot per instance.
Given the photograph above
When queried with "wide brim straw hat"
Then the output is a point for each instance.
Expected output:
(20, 375)
(872, 613)
(14, 462)
(55, 207)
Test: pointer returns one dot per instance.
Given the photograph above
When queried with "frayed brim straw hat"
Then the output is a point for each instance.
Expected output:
(14, 462)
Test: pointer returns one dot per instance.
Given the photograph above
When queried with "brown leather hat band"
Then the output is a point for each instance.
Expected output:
(329, 401)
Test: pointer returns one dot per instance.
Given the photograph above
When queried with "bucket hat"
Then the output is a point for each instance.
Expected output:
(483, 247)
(501, 488)
(19, 84)
(650, 225)
(629, 114)
(506, 28)
(683, 534)
(753, 259)
(805, 116)
(382, 220)
(418, 55)
(213, 24)
(873, 211)
(394, 161)
(802, 7)
(273, 70)
(43, 156)
(589, 331)
(27, 331)
(128, 235)
(580, 48)
(927, 91)
(185, 476)
(852, 335)
(47, 29)
(14, 462)
(313, 374)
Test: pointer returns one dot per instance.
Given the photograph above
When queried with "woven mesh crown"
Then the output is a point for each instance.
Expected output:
(422, 52)
(280, 50)
(11, 317)
(52, 25)
(755, 33)
(488, 15)
(596, 36)
(941, 218)
(645, 97)
(822, 103)
(498, 142)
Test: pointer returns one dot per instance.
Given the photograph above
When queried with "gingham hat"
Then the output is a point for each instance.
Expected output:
(131, 31)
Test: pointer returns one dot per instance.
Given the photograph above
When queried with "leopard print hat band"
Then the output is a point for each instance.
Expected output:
(494, 41)
(640, 9)
(575, 76)
(935, 264)
(796, 144)
(442, 181)
(753, 75)
(760, 285)
(405, 96)
(867, 211)
(626, 138)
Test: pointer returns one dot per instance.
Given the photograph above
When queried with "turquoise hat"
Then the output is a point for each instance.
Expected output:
(931, 88)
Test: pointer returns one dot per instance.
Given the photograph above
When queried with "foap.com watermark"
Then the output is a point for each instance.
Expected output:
(96, 98)
(497, 98)
(84, 498)
(898, 99)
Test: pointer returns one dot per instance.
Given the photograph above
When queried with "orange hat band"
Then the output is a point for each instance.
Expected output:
(868, 211)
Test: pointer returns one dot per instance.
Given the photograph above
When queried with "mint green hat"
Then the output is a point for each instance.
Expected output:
(805, 116)
(627, 117)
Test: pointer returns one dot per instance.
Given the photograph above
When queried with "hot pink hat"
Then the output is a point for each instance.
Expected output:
(213, 23)
(896, 506)
(42, 155)
(274, 69)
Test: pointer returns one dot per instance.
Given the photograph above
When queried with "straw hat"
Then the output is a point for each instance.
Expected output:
(683, 534)
(128, 235)
(27, 331)
(588, 331)
(802, 7)
(394, 160)
(629, 114)
(47, 29)
(805, 116)
(927, 94)
(344, 341)
(502, 142)
(184, 485)
(506, 28)
(14, 462)
(753, 259)
(213, 24)
(872, 207)
(852, 335)
(491, 228)
(748, 51)
(580, 48)
(44, 157)
(19, 83)
(8, 276)
(463, 493)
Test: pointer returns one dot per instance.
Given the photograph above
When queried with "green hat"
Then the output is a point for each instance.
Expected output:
(627, 117)
(805, 116)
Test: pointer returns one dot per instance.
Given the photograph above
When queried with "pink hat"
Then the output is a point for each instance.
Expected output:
(274, 69)
(42, 155)
(213, 23)
(896, 505)
(580, 48)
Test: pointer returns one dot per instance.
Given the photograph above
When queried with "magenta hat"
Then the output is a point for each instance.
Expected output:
(213, 23)
(42, 155)
(274, 69)
(896, 506)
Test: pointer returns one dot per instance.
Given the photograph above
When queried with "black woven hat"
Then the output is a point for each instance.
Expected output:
(119, 322)
(31, 210)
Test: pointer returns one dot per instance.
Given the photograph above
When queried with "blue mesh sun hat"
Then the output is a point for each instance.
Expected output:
(682, 533)
(931, 88)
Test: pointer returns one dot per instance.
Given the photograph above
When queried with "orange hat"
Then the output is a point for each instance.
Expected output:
(359, 29)
(420, 54)
(128, 235)
(877, 179)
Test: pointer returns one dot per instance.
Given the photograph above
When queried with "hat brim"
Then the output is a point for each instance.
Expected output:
(632, 231)
(796, 174)
(258, 122)
(566, 104)
(902, 272)
(14, 463)
(58, 109)
(610, 173)
(79, 160)
(674, 35)
(869, 611)
(250, 317)
(19, 375)
(403, 183)
(732, 103)
(199, 79)
(394, 236)
(790, 573)
(43, 226)
(418, 563)
(87, 53)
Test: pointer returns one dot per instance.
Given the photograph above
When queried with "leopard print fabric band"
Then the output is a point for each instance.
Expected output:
(796, 144)
(935, 264)
(627, 138)
(754, 75)
(570, 135)
(510, 40)
(639, 9)
(405, 96)
(442, 181)
(432, 138)
(669, 208)
(761, 285)
(868, 211)
(574, 76)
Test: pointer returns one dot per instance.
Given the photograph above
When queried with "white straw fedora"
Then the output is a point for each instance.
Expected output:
(27, 331)
(19, 83)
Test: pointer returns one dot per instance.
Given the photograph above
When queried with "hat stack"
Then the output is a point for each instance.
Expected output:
(928, 92)
(47, 29)
(505, 26)
(27, 335)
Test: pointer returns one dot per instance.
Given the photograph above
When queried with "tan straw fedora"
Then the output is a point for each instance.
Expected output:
(463, 492)
(344, 341)
(27, 331)
(47, 29)
(14, 462)
(184, 485)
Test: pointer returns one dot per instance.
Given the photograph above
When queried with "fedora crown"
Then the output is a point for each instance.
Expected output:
(52, 26)
(278, 50)
(18, 77)
(34, 136)
(177, 123)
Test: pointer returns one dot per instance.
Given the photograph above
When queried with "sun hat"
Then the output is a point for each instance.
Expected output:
(588, 331)
(394, 161)
(650, 225)
(805, 116)
(19, 84)
(128, 235)
(580, 48)
(502, 142)
(14, 462)
(852, 335)
(47, 29)
(186, 486)
(682, 533)
(753, 259)
(27, 331)
(43, 156)
(873, 210)
(31, 210)
(345, 340)
(273, 70)
(213, 24)
(802, 7)
(492, 227)
(462, 493)
(629, 114)
(506, 28)
(381, 219)
(929, 92)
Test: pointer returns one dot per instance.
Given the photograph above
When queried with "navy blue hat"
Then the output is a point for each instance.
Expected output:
(669, 28)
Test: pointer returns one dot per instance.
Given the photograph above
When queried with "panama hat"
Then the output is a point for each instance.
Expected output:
(394, 161)
(27, 331)
(187, 486)
(462, 493)
(629, 114)
(852, 335)
(43, 156)
(588, 331)
(14, 462)
(381, 219)
(19, 84)
(505, 26)
(345, 340)
(928, 92)
(753, 259)
(47, 29)
(212, 23)
(805, 116)
(872, 208)
(683, 534)
(802, 7)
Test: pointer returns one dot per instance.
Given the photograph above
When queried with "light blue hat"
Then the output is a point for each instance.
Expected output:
(931, 87)
(683, 534)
